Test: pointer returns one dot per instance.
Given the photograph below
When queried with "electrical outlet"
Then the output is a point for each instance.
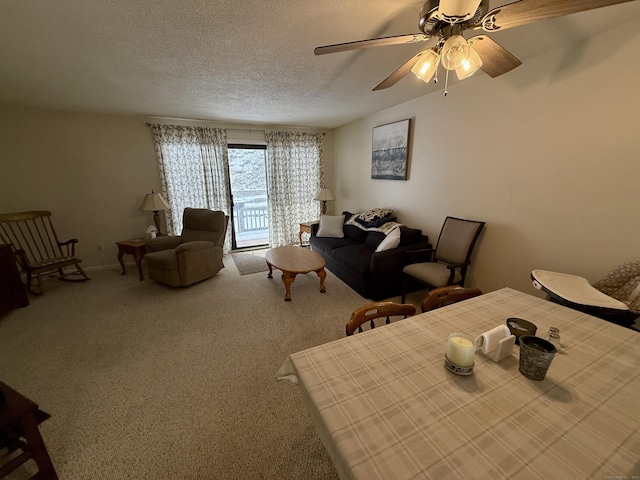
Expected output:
(100, 246)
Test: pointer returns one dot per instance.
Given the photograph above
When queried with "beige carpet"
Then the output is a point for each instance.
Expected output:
(144, 381)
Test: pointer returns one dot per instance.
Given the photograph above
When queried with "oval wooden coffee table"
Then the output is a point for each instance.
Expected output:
(292, 261)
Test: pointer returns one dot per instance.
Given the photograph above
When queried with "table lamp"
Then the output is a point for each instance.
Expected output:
(153, 202)
(324, 195)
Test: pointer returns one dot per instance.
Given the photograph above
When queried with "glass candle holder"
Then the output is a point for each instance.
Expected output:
(461, 349)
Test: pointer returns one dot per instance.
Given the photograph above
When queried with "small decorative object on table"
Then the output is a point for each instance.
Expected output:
(460, 354)
(535, 356)
(519, 327)
(553, 336)
(497, 343)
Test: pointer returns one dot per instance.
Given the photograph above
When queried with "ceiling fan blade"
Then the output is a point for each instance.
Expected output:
(400, 72)
(528, 11)
(456, 11)
(373, 42)
(495, 59)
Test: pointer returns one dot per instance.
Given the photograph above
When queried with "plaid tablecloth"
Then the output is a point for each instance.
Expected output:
(386, 408)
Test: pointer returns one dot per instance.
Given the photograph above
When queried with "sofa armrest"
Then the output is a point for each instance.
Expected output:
(198, 260)
(194, 246)
(167, 242)
(396, 258)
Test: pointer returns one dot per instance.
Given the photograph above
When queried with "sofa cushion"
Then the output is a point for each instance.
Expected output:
(356, 258)
(331, 226)
(410, 235)
(355, 233)
(392, 240)
(374, 239)
(327, 245)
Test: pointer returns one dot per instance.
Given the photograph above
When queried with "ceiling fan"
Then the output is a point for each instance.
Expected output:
(443, 22)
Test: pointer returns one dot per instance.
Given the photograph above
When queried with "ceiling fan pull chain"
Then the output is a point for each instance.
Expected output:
(446, 83)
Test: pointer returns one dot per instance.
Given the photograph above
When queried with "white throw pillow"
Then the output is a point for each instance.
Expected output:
(390, 241)
(331, 226)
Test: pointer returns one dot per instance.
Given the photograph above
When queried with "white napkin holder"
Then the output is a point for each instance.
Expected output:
(496, 344)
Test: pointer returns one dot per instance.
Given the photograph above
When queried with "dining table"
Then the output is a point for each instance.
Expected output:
(385, 406)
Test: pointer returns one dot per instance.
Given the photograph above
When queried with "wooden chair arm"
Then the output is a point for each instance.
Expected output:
(452, 267)
(415, 254)
(70, 246)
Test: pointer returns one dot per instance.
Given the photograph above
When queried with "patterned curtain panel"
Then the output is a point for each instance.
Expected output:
(295, 174)
(194, 171)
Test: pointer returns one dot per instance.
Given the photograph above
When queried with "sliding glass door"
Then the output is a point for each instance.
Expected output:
(249, 196)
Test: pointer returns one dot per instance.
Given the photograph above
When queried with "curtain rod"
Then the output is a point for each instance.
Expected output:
(249, 129)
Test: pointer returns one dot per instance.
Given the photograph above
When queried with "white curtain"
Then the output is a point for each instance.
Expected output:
(295, 174)
(194, 171)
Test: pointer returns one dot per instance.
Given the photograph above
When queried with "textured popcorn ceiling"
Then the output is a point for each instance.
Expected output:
(241, 61)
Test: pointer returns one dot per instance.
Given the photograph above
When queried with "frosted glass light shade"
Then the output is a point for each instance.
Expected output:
(455, 52)
(470, 66)
(426, 66)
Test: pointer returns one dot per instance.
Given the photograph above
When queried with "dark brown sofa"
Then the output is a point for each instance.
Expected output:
(374, 275)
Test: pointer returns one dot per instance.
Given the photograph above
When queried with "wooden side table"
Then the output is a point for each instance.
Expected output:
(305, 227)
(136, 247)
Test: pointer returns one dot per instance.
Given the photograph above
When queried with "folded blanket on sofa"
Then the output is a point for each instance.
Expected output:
(385, 228)
(374, 217)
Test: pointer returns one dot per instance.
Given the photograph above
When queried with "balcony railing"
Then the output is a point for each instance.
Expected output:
(250, 219)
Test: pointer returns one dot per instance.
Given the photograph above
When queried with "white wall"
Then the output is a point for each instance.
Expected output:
(547, 155)
(91, 171)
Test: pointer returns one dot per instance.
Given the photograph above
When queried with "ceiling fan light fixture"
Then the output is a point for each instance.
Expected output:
(426, 66)
(470, 66)
(455, 52)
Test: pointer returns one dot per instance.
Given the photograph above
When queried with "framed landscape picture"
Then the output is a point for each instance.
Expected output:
(390, 151)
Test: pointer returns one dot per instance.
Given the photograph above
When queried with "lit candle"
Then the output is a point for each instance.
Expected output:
(460, 350)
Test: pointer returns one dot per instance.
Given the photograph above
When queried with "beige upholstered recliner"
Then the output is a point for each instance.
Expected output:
(193, 256)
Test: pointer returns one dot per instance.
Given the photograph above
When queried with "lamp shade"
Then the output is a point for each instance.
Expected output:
(153, 202)
(470, 66)
(426, 66)
(455, 52)
(324, 195)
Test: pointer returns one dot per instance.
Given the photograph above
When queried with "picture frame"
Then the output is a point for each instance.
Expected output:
(390, 151)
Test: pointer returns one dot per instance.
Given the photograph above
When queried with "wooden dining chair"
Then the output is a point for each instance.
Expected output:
(371, 312)
(442, 296)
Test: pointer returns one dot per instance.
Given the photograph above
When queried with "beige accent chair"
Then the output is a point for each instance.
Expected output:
(448, 263)
(193, 256)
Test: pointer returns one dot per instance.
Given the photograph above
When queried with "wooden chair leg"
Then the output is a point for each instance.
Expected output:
(38, 449)
(33, 283)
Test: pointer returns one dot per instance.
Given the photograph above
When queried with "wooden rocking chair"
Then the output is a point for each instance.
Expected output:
(38, 251)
